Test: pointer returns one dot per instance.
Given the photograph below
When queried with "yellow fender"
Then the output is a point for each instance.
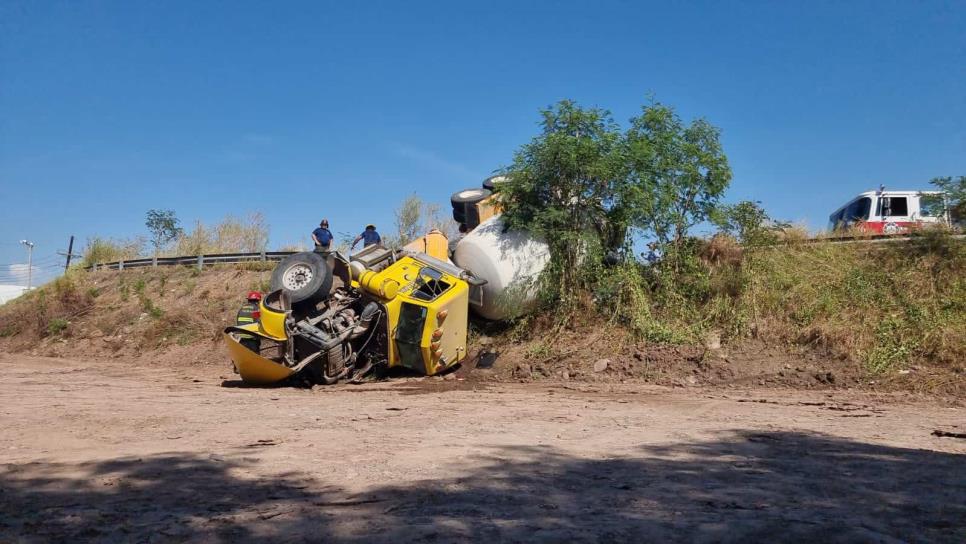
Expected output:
(252, 367)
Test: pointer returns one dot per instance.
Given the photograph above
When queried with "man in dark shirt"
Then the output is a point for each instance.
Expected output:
(369, 235)
(322, 237)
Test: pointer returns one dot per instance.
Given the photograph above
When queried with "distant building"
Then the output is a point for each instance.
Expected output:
(10, 292)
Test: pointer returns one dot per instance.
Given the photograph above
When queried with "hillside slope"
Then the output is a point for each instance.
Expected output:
(805, 318)
(168, 315)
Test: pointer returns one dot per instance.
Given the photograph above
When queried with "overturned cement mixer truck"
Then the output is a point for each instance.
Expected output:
(331, 317)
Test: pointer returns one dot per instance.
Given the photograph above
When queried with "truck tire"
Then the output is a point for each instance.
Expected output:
(306, 277)
(491, 182)
(464, 205)
(459, 214)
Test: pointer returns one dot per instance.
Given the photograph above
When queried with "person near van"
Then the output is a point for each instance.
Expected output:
(322, 237)
(653, 254)
(370, 237)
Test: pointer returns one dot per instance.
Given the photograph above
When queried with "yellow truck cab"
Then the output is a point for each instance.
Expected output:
(408, 309)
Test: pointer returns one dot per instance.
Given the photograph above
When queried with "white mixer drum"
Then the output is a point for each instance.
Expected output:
(511, 263)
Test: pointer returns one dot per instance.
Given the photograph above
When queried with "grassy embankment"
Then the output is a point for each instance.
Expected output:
(130, 312)
(886, 306)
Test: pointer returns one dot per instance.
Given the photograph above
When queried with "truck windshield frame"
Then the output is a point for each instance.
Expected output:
(430, 285)
(859, 210)
(409, 334)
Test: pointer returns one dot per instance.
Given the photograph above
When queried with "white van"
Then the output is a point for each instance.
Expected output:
(891, 212)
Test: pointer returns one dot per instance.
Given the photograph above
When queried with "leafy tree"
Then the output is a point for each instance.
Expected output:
(164, 228)
(680, 172)
(565, 186)
(583, 185)
(955, 201)
(748, 222)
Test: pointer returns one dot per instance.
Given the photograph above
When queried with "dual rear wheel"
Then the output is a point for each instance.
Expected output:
(306, 277)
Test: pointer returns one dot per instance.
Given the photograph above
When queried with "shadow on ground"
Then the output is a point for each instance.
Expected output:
(743, 487)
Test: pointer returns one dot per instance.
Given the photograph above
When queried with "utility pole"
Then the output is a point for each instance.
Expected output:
(69, 254)
(30, 260)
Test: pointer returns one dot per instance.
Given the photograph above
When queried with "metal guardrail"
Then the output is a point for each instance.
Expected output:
(199, 261)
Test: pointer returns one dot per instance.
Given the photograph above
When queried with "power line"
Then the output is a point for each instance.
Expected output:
(37, 273)
(46, 269)
(45, 259)
(39, 260)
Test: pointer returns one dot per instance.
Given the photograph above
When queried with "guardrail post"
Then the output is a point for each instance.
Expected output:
(264, 258)
(154, 261)
(201, 261)
(120, 265)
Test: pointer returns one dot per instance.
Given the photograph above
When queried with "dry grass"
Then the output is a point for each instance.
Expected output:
(231, 235)
(135, 313)
(106, 250)
(794, 233)
(722, 250)
(49, 310)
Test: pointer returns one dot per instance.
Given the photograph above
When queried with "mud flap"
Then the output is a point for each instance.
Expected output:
(252, 367)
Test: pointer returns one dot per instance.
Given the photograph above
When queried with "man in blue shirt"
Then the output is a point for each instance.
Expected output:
(322, 237)
(369, 235)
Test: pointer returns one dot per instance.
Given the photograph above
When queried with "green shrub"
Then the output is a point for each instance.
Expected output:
(884, 305)
(539, 350)
(57, 326)
(149, 307)
(123, 288)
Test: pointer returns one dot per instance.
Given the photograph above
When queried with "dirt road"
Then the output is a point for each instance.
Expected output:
(99, 451)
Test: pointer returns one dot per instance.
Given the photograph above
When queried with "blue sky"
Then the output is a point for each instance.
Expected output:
(305, 110)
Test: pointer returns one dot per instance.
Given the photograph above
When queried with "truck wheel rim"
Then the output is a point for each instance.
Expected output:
(297, 277)
(470, 193)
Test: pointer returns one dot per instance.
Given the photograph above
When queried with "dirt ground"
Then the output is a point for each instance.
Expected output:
(108, 451)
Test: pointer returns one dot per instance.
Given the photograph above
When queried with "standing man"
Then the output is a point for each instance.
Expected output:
(322, 237)
(369, 235)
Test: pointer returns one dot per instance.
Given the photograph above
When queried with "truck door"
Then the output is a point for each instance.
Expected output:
(894, 211)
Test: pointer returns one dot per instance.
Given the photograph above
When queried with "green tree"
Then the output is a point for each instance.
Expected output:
(164, 228)
(748, 222)
(583, 185)
(679, 172)
(566, 186)
(955, 201)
